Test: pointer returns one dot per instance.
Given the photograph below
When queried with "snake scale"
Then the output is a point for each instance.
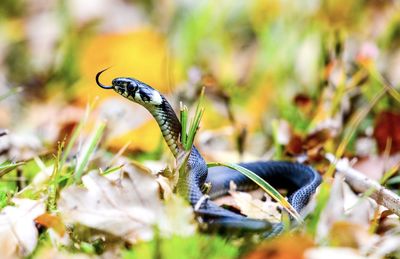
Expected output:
(299, 180)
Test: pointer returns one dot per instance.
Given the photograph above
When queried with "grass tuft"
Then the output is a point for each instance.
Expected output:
(188, 133)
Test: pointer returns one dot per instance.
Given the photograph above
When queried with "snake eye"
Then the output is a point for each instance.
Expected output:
(131, 88)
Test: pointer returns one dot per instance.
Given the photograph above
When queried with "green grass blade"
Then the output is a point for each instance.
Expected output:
(194, 125)
(77, 131)
(184, 119)
(389, 173)
(394, 180)
(194, 128)
(187, 140)
(54, 181)
(8, 166)
(264, 185)
(111, 170)
(374, 72)
(88, 150)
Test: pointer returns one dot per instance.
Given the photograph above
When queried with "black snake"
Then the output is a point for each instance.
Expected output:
(300, 180)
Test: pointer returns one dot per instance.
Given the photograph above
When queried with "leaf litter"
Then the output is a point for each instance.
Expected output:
(128, 206)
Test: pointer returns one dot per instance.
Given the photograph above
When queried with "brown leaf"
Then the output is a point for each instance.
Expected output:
(283, 247)
(317, 138)
(295, 145)
(304, 102)
(387, 221)
(312, 144)
(387, 130)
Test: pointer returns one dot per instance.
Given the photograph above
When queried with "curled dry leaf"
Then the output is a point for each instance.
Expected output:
(18, 233)
(129, 207)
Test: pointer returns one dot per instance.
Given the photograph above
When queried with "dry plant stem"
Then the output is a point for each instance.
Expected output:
(360, 183)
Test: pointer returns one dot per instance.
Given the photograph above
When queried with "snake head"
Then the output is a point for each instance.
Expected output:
(133, 89)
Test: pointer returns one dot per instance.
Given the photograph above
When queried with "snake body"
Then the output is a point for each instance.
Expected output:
(300, 180)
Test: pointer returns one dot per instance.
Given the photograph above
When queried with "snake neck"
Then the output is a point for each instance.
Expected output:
(168, 123)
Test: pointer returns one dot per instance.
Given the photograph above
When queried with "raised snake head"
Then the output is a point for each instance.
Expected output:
(133, 89)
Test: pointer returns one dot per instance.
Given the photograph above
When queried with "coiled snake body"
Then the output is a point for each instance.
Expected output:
(300, 180)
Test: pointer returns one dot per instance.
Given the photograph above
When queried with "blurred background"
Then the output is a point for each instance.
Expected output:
(275, 71)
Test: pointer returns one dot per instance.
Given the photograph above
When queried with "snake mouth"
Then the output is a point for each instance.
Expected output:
(100, 84)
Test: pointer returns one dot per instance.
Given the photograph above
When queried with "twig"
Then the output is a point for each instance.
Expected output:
(361, 183)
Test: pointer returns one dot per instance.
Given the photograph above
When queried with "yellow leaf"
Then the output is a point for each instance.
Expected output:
(258, 104)
(142, 54)
(145, 138)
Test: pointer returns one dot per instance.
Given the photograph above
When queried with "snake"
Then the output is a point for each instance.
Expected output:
(300, 181)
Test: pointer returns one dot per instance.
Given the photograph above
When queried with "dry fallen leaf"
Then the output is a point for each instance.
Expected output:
(375, 166)
(20, 146)
(342, 205)
(387, 130)
(283, 247)
(129, 207)
(18, 233)
(255, 208)
(388, 244)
